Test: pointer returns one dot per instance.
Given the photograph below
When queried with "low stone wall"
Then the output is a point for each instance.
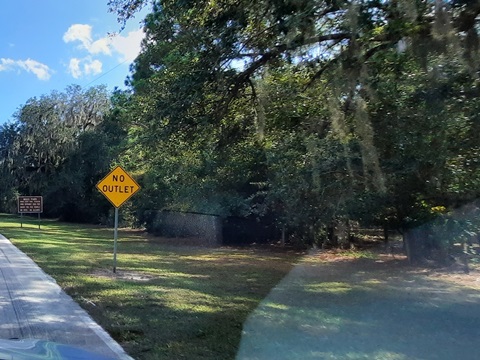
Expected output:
(243, 231)
(207, 228)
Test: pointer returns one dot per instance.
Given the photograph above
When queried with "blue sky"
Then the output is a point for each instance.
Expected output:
(47, 45)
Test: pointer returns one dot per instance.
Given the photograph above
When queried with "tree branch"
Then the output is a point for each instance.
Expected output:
(467, 18)
(328, 37)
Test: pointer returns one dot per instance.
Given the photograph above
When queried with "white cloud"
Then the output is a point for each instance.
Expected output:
(74, 68)
(41, 71)
(87, 66)
(101, 46)
(6, 64)
(83, 34)
(128, 46)
(93, 67)
(79, 32)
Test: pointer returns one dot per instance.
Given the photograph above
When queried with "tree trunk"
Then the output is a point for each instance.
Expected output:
(283, 236)
(413, 245)
(466, 269)
(331, 238)
(343, 233)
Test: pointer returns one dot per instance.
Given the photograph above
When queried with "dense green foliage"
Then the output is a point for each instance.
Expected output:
(306, 113)
(56, 147)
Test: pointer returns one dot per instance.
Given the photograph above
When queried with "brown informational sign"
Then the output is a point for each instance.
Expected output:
(30, 204)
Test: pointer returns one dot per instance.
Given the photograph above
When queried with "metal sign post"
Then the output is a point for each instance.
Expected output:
(118, 186)
(115, 238)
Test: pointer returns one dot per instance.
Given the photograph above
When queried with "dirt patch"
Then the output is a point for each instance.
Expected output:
(123, 275)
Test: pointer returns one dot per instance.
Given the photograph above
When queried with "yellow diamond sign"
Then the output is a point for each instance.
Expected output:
(118, 186)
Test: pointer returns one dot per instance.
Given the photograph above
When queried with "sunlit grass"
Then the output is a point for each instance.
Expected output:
(379, 355)
(164, 302)
(277, 306)
(329, 287)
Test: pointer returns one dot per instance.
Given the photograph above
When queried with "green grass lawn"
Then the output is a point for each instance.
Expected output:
(167, 300)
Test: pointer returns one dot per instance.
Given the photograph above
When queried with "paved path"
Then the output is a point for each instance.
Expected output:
(366, 309)
(32, 305)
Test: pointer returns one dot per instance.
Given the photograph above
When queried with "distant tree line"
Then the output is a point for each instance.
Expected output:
(57, 146)
(305, 113)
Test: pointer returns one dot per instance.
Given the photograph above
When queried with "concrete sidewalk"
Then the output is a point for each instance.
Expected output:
(33, 306)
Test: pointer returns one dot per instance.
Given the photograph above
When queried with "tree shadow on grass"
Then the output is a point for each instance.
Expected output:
(363, 309)
(189, 303)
